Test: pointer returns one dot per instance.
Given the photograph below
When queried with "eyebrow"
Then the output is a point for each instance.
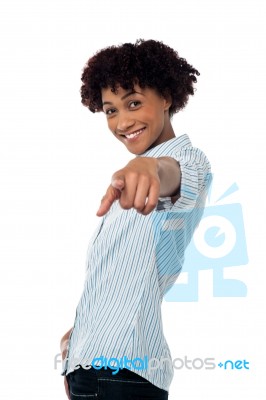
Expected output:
(124, 97)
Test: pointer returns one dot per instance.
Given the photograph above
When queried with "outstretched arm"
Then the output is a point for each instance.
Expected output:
(141, 182)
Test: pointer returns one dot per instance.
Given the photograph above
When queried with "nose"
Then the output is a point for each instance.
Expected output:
(125, 122)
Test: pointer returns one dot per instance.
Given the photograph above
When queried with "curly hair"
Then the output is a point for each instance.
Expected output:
(147, 63)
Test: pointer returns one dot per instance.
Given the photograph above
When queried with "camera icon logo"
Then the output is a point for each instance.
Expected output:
(218, 242)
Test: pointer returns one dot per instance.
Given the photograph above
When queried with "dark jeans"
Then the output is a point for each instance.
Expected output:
(100, 384)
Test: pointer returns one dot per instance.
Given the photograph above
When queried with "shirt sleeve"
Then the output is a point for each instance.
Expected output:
(195, 180)
(182, 217)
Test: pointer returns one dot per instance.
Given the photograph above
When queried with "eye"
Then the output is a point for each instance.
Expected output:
(134, 104)
(110, 111)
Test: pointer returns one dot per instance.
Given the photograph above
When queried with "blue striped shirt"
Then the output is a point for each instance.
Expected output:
(132, 261)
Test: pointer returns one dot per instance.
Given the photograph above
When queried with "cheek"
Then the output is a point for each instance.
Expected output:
(157, 116)
(111, 124)
(158, 120)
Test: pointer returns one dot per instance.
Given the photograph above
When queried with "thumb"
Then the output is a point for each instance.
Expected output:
(118, 182)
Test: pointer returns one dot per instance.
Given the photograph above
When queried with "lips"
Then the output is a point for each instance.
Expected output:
(134, 134)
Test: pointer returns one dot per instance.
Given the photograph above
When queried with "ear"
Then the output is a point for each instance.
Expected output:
(167, 102)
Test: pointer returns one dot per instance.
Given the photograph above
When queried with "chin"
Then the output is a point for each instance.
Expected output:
(136, 151)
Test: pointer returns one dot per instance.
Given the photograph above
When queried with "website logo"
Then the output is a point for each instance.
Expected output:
(150, 364)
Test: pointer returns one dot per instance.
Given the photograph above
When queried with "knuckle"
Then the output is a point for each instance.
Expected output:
(152, 204)
(145, 212)
(138, 205)
(125, 204)
(132, 175)
(145, 176)
(117, 173)
(155, 181)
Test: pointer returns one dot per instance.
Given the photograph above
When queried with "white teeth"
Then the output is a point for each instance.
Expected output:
(132, 135)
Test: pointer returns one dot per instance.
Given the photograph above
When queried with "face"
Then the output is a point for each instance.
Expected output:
(139, 118)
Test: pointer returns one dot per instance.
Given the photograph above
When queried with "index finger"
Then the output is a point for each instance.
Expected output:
(111, 195)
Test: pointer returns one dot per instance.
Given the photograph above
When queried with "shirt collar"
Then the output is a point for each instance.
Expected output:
(168, 146)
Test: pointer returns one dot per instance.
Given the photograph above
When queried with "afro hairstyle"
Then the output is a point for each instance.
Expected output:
(148, 63)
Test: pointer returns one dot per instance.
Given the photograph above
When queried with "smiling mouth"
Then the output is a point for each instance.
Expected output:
(134, 134)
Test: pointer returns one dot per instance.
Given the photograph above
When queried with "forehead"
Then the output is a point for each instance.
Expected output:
(121, 94)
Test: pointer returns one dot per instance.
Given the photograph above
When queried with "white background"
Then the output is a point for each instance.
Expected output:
(56, 160)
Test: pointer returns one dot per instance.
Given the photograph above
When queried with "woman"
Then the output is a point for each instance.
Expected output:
(116, 349)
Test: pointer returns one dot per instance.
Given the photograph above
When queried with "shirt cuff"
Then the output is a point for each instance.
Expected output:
(195, 180)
